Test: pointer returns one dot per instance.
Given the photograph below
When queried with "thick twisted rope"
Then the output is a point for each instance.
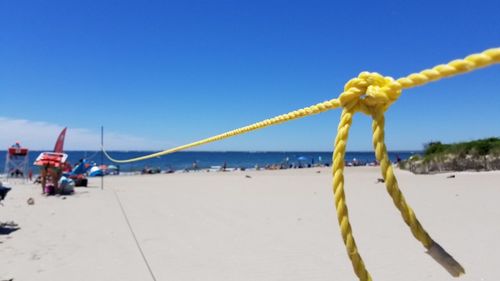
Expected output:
(372, 94)
(433, 248)
(339, 195)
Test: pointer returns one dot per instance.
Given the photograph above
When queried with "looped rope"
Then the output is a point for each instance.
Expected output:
(368, 91)
(372, 94)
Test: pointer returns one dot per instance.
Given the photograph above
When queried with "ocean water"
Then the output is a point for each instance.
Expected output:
(185, 160)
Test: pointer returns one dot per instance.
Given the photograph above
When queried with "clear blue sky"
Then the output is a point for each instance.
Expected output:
(162, 73)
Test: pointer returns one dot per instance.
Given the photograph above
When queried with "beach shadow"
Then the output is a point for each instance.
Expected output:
(90, 187)
(8, 230)
(78, 194)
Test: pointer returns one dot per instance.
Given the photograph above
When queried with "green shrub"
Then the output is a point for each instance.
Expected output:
(480, 147)
(435, 148)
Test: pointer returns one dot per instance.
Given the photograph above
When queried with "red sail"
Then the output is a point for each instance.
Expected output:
(60, 142)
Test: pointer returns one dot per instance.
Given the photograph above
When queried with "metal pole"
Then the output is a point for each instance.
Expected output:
(102, 156)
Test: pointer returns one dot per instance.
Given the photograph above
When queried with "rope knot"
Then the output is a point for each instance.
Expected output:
(370, 92)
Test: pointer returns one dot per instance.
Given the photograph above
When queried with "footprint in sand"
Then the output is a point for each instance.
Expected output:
(35, 257)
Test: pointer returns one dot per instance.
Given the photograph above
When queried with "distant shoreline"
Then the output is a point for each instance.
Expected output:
(207, 160)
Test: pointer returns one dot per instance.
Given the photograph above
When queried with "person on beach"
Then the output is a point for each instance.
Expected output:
(50, 173)
(67, 168)
(17, 147)
(398, 159)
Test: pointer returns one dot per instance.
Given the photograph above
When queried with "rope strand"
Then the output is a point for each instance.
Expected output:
(339, 196)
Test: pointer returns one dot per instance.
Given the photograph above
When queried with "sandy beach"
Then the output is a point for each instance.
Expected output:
(249, 225)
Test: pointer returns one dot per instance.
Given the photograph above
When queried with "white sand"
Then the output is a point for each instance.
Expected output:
(276, 225)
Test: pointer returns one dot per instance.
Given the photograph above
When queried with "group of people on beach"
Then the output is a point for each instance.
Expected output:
(225, 167)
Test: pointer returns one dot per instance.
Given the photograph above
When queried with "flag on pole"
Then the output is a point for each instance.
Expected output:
(60, 142)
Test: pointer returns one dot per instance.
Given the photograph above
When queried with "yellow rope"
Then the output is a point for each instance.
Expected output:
(372, 94)
(339, 195)
(314, 109)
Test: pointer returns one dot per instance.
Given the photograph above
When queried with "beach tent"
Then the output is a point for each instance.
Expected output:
(96, 172)
(81, 168)
(113, 170)
(78, 173)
